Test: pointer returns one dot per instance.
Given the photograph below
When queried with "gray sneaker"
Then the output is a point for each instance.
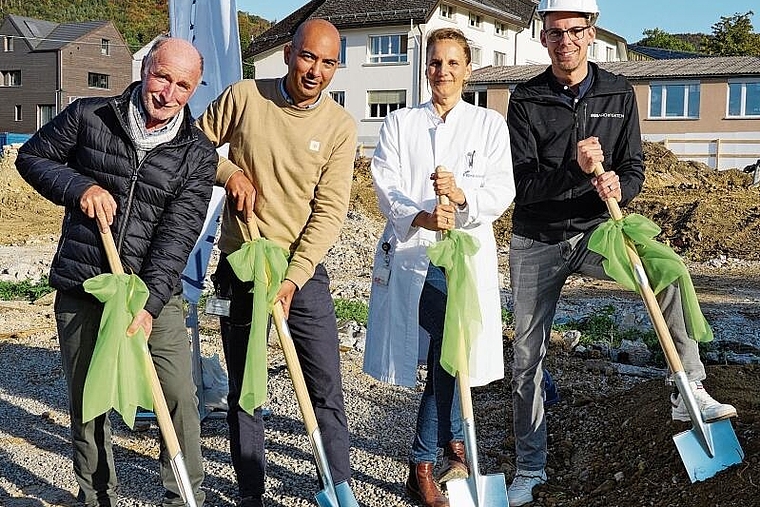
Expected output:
(710, 409)
(520, 491)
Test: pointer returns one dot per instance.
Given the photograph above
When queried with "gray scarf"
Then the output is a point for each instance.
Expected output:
(144, 140)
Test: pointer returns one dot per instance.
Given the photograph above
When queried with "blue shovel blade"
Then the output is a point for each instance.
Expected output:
(699, 465)
(343, 497)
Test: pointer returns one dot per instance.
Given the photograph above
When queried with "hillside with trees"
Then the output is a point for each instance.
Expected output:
(138, 21)
(731, 36)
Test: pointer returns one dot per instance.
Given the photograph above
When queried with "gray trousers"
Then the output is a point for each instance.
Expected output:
(78, 320)
(538, 271)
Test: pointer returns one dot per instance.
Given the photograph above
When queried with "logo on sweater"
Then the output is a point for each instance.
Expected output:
(314, 145)
(607, 115)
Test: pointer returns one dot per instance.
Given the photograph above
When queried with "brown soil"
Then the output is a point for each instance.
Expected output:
(606, 424)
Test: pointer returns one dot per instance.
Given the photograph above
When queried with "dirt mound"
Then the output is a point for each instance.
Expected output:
(614, 446)
(24, 214)
(703, 213)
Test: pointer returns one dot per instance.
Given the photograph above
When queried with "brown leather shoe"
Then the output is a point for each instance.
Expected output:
(421, 486)
(455, 462)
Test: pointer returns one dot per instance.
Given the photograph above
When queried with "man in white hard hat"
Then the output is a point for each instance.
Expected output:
(562, 122)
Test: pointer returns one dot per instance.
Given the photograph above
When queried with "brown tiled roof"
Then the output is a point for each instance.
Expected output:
(365, 13)
(715, 66)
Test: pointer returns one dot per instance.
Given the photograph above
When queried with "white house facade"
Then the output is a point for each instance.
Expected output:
(382, 54)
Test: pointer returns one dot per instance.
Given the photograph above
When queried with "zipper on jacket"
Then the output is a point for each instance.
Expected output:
(130, 198)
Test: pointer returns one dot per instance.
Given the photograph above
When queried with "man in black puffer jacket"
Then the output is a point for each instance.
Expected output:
(137, 163)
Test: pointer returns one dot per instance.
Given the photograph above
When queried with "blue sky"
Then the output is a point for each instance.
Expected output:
(628, 18)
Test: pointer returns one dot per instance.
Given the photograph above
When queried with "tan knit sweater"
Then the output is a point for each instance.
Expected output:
(300, 162)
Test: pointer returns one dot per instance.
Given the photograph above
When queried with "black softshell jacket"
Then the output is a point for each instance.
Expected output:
(555, 200)
(162, 201)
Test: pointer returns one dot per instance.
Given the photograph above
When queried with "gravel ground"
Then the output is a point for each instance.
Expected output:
(35, 466)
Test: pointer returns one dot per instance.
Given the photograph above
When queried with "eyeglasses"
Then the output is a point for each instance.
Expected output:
(575, 33)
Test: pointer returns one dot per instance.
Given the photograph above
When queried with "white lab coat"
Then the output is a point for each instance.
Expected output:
(473, 143)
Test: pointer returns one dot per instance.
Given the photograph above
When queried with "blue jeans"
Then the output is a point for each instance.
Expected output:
(538, 271)
(440, 395)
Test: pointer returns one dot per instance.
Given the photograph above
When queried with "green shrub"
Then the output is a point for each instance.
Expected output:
(25, 290)
(347, 309)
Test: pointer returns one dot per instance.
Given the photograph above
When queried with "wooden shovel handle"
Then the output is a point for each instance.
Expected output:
(111, 253)
(463, 380)
(159, 401)
(294, 367)
(289, 351)
(442, 199)
(650, 301)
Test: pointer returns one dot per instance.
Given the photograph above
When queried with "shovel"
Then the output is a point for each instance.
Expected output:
(159, 401)
(476, 490)
(707, 448)
(331, 495)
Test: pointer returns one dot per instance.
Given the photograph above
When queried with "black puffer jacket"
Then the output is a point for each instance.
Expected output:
(555, 200)
(162, 201)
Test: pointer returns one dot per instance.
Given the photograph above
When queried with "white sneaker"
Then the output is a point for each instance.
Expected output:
(710, 409)
(520, 491)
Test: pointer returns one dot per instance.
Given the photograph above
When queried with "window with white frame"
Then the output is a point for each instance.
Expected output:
(45, 113)
(475, 54)
(8, 43)
(387, 48)
(446, 12)
(476, 20)
(105, 47)
(96, 80)
(611, 54)
(342, 54)
(674, 100)
(382, 102)
(744, 98)
(535, 28)
(477, 97)
(339, 97)
(17, 113)
(499, 59)
(10, 78)
(592, 50)
(500, 29)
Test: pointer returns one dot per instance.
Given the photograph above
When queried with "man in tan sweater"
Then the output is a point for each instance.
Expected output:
(289, 168)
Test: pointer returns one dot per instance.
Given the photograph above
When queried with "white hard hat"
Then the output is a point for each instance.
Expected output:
(584, 6)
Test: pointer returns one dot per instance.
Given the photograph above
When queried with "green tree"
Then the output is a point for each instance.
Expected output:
(658, 38)
(733, 36)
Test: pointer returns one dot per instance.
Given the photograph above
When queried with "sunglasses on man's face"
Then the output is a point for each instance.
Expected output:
(574, 32)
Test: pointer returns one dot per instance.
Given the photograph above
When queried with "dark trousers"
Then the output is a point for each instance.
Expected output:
(78, 320)
(314, 329)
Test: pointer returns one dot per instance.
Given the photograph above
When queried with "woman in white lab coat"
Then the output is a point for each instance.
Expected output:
(408, 299)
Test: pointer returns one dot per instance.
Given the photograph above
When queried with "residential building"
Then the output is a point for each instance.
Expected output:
(383, 49)
(638, 52)
(45, 66)
(704, 109)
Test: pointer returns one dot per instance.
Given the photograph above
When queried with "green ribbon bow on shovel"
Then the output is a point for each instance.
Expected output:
(117, 376)
(662, 265)
(462, 322)
(264, 263)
